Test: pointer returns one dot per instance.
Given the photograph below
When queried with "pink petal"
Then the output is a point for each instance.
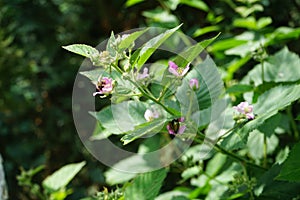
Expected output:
(181, 129)
(173, 65)
(173, 68)
(194, 83)
(250, 115)
(181, 119)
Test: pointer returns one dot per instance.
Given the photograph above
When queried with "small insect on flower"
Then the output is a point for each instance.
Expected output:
(176, 127)
(104, 86)
(178, 71)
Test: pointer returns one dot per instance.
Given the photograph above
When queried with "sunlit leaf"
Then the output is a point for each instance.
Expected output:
(60, 178)
(193, 52)
(149, 48)
(82, 49)
(125, 43)
(281, 67)
(204, 30)
(130, 3)
(147, 128)
(268, 104)
(199, 4)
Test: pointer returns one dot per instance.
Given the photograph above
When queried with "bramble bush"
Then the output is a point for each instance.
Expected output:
(247, 159)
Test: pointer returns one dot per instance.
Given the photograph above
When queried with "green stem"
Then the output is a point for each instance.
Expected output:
(249, 189)
(162, 94)
(224, 151)
(144, 92)
(293, 123)
(262, 71)
(214, 178)
(189, 112)
(238, 125)
(265, 150)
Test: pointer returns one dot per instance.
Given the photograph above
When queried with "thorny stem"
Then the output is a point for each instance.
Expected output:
(201, 138)
(230, 130)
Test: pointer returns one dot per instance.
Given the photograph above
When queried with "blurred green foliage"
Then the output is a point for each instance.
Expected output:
(37, 75)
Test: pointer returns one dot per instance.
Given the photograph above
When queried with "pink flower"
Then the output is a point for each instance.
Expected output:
(194, 84)
(104, 86)
(175, 127)
(178, 71)
(145, 74)
(245, 109)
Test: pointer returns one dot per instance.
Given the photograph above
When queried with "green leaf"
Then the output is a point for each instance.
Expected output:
(192, 52)
(130, 3)
(225, 44)
(251, 23)
(291, 167)
(60, 178)
(281, 67)
(282, 155)
(239, 89)
(268, 104)
(147, 128)
(283, 34)
(129, 167)
(172, 4)
(215, 164)
(173, 195)
(106, 119)
(149, 47)
(235, 65)
(127, 42)
(82, 49)
(204, 30)
(111, 45)
(268, 187)
(195, 4)
(161, 16)
(190, 172)
(210, 84)
(120, 118)
(269, 126)
(263, 22)
(255, 144)
(246, 11)
(145, 186)
(93, 75)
